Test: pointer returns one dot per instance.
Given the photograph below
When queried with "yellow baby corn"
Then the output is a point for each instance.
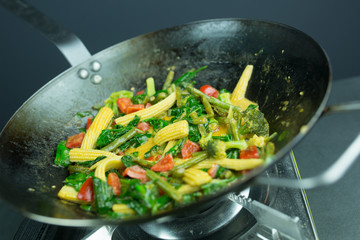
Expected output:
(171, 132)
(235, 164)
(107, 164)
(241, 86)
(142, 149)
(244, 103)
(83, 155)
(101, 121)
(196, 177)
(70, 194)
(186, 189)
(149, 112)
(122, 208)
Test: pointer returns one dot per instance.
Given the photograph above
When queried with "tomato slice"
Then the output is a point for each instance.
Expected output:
(212, 171)
(134, 108)
(86, 192)
(189, 148)
(143, 126)
(89, 122)
(210, 91)
(123, 104)
(75, 140)
(140, 92)
(154, 158)
(114, 181)
(164, 164)
(250, 152)
(137, 172)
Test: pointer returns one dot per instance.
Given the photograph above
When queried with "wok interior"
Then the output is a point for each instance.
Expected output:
(290, 83)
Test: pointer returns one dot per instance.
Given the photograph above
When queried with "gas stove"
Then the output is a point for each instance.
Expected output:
(225, 219)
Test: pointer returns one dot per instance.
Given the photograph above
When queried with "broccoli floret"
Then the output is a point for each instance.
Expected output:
(205, 139)
(253, 122)
(217, 149)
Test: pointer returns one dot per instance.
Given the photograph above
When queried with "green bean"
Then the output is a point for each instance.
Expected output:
(198, 157)
(207, 106)
(77, 168)
(178, 96)
(199, 120)
(168, 80)
(234, 129)
(142, 162)
(165, 186)
(212, 100)
(121, 140)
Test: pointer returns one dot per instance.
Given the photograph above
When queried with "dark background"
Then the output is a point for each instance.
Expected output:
(28, 60)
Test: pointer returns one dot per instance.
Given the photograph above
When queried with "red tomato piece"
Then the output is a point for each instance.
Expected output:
(123, 104)
(137, 172)
(143, 126)
(164, 164)
(189, 148)
(134, 108)
(148, 105)
(140, 92)
(250, 152)
(154, 158)
(210, 91)
(114, 181)
(86, 192)
(75, 140)
(89, 122)
(212, 171)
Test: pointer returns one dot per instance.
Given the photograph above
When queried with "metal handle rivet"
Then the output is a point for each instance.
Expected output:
(96, 79)
(95, 66)
(83, 73)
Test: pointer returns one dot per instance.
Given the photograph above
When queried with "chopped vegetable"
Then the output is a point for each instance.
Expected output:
(75, 140)
(161, 149)
(217, 149)
(137, 172)
(123, 104)
(164, 164)
(86, 192)
(114, 181)
(250, 152)
(189, 148)
(210, 91)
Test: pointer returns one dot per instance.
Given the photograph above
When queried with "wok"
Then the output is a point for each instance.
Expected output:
(291, 83)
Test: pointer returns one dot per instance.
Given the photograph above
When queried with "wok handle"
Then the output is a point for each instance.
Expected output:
(69, 44)
(331, 175)
(342, 107)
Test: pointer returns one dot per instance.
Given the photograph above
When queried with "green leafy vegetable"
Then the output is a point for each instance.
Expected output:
(76, 180)
(103, 195)
(62, 157)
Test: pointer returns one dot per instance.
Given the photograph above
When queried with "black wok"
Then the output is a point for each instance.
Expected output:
(291, 84)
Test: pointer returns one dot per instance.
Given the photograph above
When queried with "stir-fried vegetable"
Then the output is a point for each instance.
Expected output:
(155, 150)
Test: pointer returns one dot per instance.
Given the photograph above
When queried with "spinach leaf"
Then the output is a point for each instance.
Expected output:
(76, 180)
(194, 134)
(127, 161)
(152, 151)
(103, 195)
(140, 99)
(176, 149)
(157, 124)
(136, 141)
(107, 136)
(62, 157)
(187, 78)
